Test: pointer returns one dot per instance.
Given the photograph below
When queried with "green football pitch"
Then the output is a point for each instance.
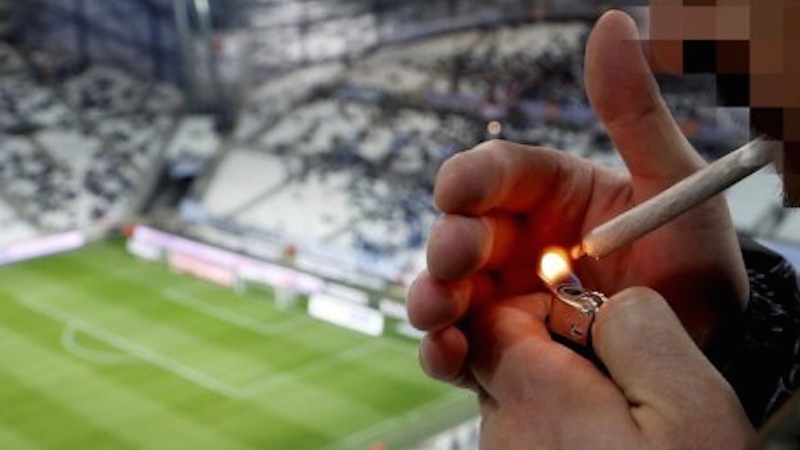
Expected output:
(101, 351)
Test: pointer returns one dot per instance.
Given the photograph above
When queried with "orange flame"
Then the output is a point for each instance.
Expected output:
(555, 266)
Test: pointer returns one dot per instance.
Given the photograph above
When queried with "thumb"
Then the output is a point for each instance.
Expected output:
(656, 364)
(626, 98)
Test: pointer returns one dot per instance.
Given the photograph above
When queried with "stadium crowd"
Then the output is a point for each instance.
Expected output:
(75, 148)
(358, 144)
(351, 147)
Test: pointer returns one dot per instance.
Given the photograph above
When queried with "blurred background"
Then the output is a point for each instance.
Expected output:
(210, 209)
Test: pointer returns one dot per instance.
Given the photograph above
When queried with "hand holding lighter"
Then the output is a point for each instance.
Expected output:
(573, 309)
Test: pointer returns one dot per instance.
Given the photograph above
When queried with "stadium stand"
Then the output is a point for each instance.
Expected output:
(195, 138)
(10, 60)
(324, 204)
(344, 156)
(35, 182)
(28, 105)
(258, 175)
(349, 158)
(272, 99)
(73, 150)
(12, 228)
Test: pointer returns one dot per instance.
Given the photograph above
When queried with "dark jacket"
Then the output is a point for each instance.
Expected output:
(764, 366)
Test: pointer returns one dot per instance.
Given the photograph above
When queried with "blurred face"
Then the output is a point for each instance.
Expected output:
(753, 46)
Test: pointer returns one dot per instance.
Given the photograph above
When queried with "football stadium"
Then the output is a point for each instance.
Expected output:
(211, 210)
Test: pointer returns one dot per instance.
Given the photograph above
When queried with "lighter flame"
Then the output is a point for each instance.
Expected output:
(555, 266)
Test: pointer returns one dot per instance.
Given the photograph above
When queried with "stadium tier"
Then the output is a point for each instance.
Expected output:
(13, 228)
(73, 152)
(381, 115)
(345, 157)
(350, 162)
(209, 220)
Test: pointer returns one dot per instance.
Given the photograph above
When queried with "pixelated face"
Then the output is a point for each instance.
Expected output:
(753, 46)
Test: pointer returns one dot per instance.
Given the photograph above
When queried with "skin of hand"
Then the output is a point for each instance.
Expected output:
(662, 393)
(502, 203)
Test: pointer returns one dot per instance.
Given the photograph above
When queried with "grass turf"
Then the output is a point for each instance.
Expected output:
(101, 351)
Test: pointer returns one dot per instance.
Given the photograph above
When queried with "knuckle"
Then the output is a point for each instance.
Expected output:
(638, 296)
(634, 306)
(433, 304)
(414, 306)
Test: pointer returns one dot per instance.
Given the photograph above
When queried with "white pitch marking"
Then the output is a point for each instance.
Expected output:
(138, 351)
(190, 374)
(69, 341)
(220, 313)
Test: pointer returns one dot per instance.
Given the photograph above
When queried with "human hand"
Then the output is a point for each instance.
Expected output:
(660, 391)
(503, 203)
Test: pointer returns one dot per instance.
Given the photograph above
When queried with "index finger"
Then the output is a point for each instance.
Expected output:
(510, 177)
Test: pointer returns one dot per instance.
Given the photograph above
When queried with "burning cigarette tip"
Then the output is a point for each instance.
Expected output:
(577, 252)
